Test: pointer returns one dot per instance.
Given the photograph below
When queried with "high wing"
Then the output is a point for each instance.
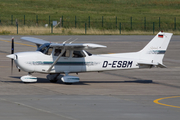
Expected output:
(37, 41)
(76, 46)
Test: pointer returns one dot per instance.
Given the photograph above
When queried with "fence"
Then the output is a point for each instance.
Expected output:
(101, 23)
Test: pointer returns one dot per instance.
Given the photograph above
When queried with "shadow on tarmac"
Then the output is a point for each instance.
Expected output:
(133, 81)
(44, 80)
(139, 80)
(168, 85)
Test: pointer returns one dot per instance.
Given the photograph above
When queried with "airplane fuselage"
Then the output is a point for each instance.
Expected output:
(38, 62)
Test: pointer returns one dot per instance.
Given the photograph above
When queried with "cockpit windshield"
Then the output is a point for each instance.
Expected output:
(45, 48)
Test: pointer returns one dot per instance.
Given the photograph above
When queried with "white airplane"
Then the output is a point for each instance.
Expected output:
(56, 59)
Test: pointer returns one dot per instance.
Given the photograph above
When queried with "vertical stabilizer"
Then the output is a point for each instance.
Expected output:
(154, 51)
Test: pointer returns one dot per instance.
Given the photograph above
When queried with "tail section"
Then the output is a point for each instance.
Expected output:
(153, 52)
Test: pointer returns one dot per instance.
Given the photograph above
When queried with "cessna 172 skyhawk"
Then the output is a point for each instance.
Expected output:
(56, 59)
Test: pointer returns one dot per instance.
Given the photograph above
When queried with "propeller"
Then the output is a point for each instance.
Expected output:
(12, 52)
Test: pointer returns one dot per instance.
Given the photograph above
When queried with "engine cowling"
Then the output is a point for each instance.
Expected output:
(70, 79)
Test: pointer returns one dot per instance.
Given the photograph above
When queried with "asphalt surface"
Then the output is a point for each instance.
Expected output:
(117, 95)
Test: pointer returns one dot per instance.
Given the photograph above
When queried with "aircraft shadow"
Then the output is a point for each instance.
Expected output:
(139, 80)
(44, 80)
(133, 81)
(41, 80)
(167, 85)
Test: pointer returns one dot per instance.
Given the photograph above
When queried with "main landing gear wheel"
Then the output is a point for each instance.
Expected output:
(53, 81)
(53, 78)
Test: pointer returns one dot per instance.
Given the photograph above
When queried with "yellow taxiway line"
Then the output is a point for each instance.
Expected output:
(157, 101)
(19, 43)
(3, 66)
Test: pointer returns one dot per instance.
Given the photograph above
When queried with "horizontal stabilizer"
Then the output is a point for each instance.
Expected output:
(161, 65)
(153, 64)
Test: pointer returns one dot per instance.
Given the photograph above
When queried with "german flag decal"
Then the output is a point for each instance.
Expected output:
(161, 36)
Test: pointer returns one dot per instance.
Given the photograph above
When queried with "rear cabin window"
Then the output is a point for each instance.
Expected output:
(66, 53)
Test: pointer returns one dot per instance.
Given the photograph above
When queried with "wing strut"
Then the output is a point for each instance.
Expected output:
(56, 60)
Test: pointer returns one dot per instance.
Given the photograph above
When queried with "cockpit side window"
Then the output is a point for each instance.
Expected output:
(78, 54)
(57, 52)
(48, 51)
